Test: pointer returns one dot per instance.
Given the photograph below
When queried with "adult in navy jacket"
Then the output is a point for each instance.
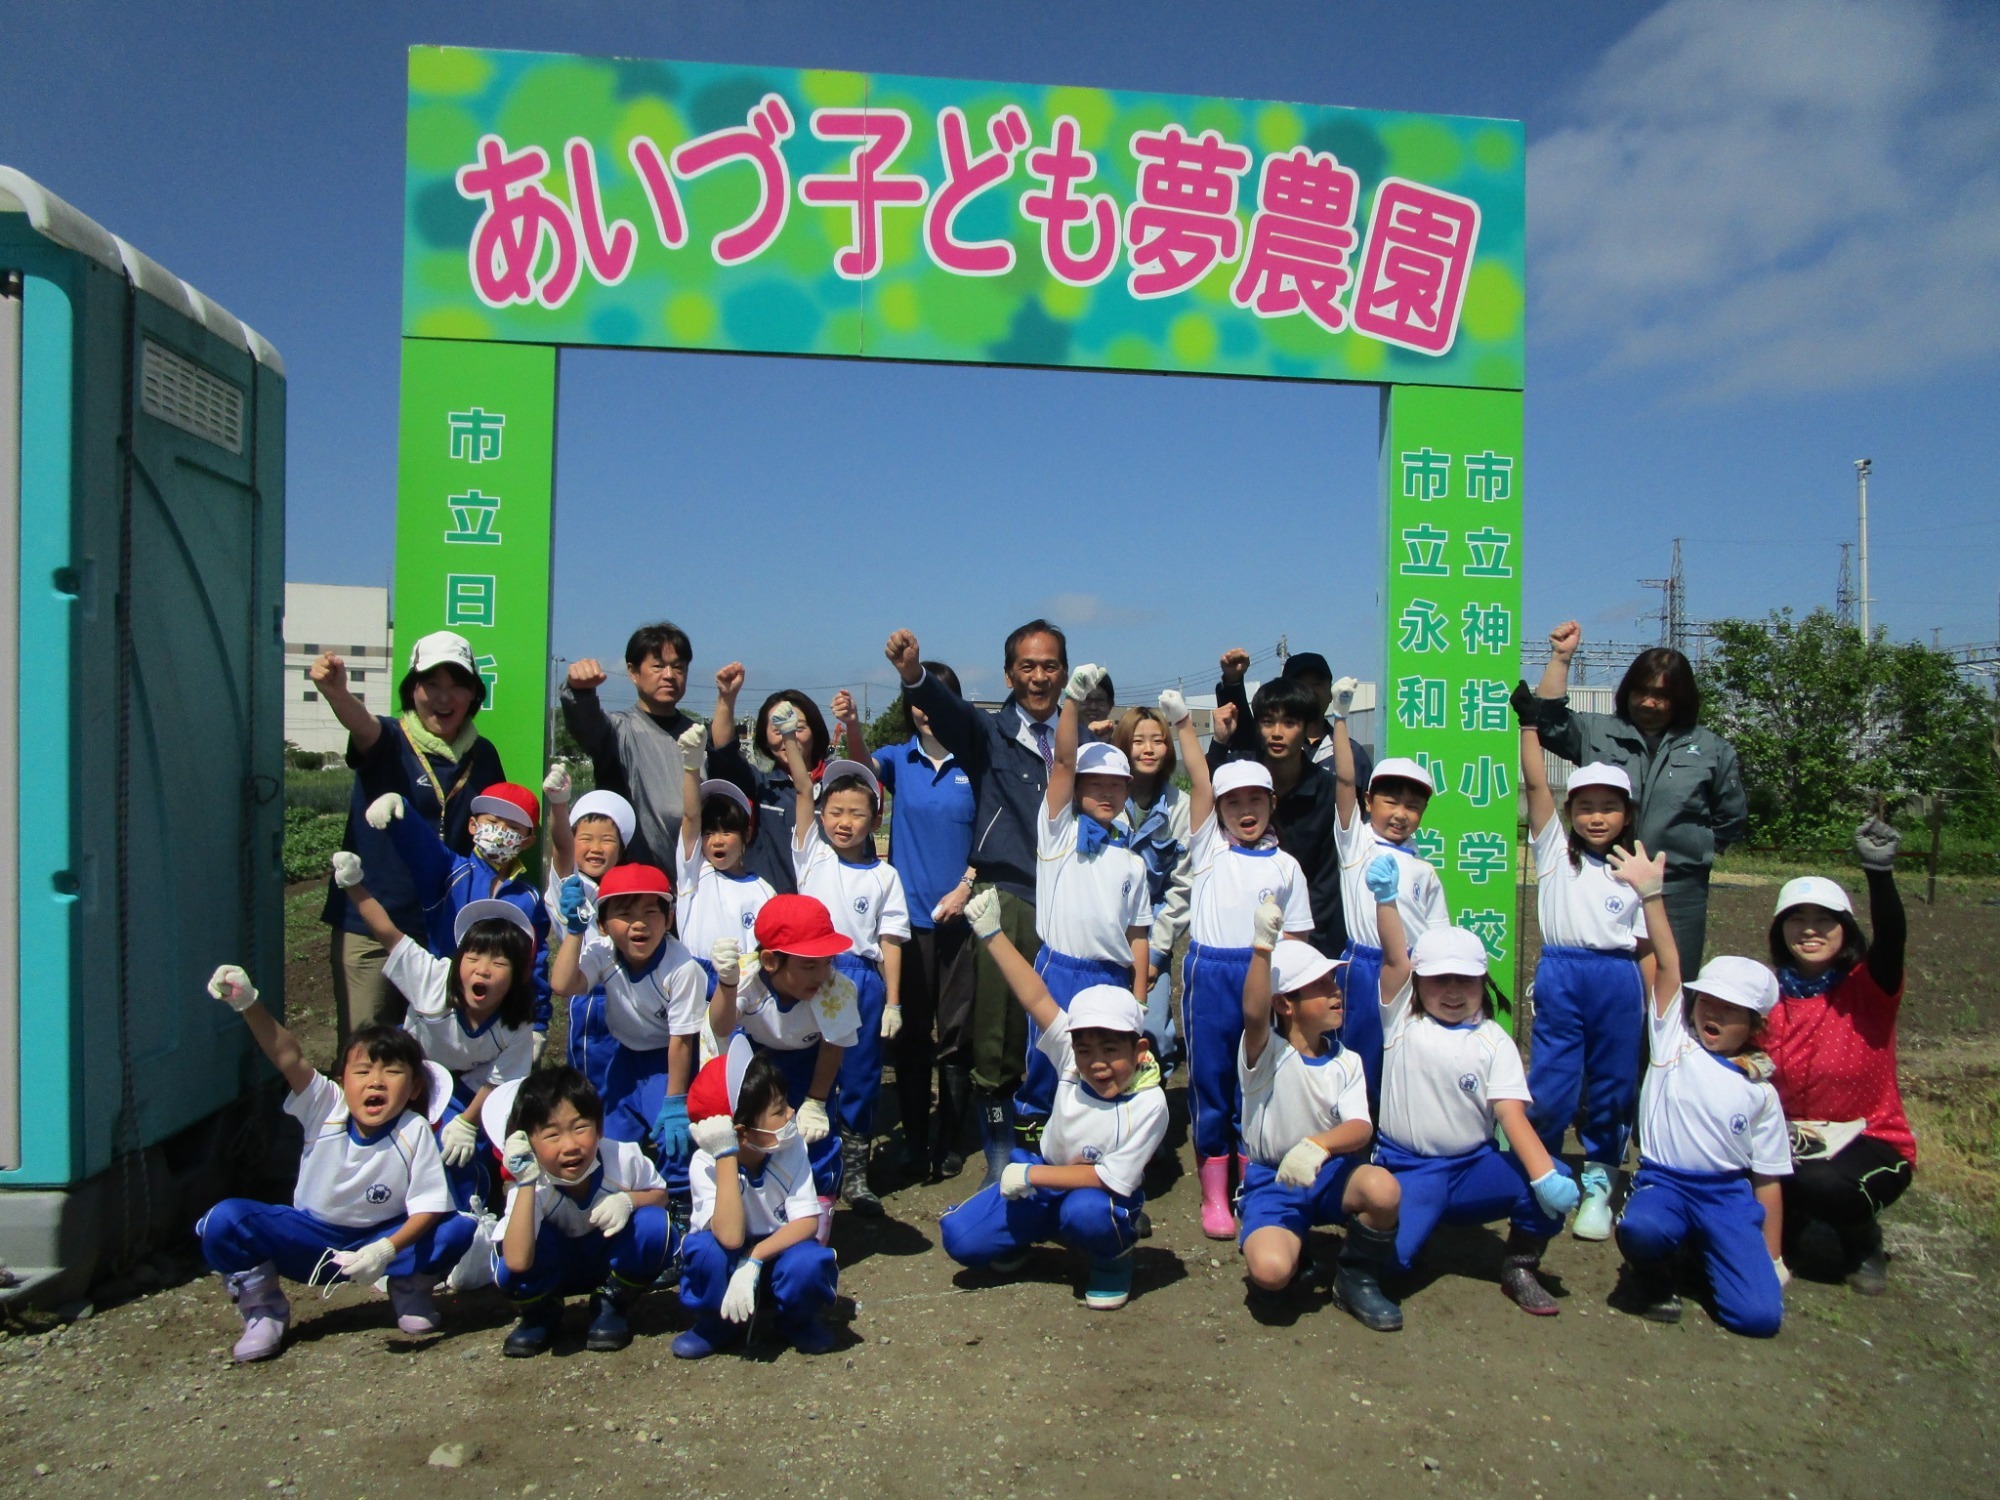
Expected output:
(1007, 754)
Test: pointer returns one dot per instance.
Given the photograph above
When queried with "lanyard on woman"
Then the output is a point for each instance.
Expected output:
(437, 787)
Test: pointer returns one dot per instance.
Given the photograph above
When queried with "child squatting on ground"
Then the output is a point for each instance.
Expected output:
(371, 1198)
(1306, 1129)
(1083, 1187)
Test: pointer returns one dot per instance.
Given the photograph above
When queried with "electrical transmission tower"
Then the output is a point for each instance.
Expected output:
(1843, 593)
(1673, 604)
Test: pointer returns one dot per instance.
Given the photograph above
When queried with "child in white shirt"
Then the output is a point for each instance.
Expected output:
(585, 838)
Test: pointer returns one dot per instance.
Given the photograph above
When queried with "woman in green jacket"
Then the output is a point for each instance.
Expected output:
(1685, 778)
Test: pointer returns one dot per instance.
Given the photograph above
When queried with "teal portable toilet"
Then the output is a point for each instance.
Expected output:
(142, 560)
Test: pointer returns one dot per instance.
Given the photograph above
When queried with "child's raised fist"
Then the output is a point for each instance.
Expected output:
(1083, 682)
(1173, 708)
(232, 986)
(983, 912)
(787, 720)
(690, 740)
(555, 785)
(1343, 697)
(346, 869)
(1268, 925)
(384, 810)
(843, 705)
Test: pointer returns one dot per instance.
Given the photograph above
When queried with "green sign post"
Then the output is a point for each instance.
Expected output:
(555, 201)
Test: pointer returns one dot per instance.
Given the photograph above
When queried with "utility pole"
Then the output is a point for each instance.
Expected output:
(1843, 592)
(1862, 466)
(1673, 603)
(1284, 649)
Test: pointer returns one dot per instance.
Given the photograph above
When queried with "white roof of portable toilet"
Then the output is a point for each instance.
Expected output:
(56, 220)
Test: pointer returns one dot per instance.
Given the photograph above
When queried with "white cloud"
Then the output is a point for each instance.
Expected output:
(1072, 610)
(1779, 196)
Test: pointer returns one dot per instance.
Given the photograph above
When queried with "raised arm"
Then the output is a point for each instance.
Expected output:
(1269, 922)
(1062, 772)
(1385, 878)
(983, 912)
(348, 875)
(1876, 842)
(1201, 786)
(1534, 771)
(1563, 641)
(417, 844)
(582, 713)
(787, 721)
(1346, 796)
(555, 820)
(854, 734)
(1647, 874)
(1239, 734)
(691, 741)
(329, 675)
(954, 722)
(232, 986)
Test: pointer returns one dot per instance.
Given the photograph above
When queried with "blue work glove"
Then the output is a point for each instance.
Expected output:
(569, 901)
(1384, 878)
(670, 1130)
(1556, 1192)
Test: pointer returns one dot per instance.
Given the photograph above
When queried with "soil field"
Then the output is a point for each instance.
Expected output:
(952, 1384)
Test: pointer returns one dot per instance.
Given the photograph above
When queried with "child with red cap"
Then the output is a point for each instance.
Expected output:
(502, 825)
(755, 1211)
(803, 1015)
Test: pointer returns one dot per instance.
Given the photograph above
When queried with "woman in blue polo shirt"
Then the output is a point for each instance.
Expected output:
(930, 846)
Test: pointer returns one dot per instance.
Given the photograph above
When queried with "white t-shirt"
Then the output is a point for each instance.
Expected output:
(1439, 1082)
(782, 1193)
(1288, 1096)
(832, 1015)
(1085, 906)
(348, 1181)
(1230, 880)
(626, 1170)
(1582, 908)
(1116, 1136)
(490, 1055)
(1419, 897)
(1698, 1113)
(644, 1007)
(866, 902)
(713, 906)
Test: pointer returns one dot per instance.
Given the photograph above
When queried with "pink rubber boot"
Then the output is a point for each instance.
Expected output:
(1217, 1222)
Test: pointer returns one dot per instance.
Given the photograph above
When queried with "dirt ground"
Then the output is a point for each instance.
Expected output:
(947, 1383)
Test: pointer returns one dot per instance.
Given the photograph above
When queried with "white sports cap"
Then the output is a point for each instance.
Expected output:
(1449, 950)
(443, 648)
(1597, 773)
(835, 769)
(1294, 965)
(1099, 759)
(489, 911)
(1814, 890)
(728, 789)
(606, 805)
(1408, 770)
(439, 1098)
(1105, 1007)
(498, 1110)
(1238, 774)
(1737, 981)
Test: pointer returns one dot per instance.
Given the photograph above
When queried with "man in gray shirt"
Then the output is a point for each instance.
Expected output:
(636, 751)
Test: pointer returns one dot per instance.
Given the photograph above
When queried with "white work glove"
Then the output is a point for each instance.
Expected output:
(1343, 698)
(892, 1022)
(1556, 1193)
(1083, 682)
(458, 1140)
(519, 1155)
(1268, 925)
(1173, 708)
(232, 986)
(611, 1213)
(346, 869)
(983, 912)
(384, 810)
(728, 961)
(691, 740)
(1784, 1272)
(787, 719)
(739, 1301)
(369, 1263)
(1301, 1164)
(1014, 1180)
(555, 785)
(535, 1048)
(716, 1135)
(813, 1123)
(1876, 842)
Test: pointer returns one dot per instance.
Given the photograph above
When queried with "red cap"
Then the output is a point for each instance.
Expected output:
(516, 804)
(798, 925)
(634, 880)
(708, 1095)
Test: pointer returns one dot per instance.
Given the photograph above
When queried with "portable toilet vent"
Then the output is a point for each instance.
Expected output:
(142, 554)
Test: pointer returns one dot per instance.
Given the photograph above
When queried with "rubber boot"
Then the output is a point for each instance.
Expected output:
(1593, 1213)
(854, 1189)
(266, 1313)
(536, 1330)
(996, 1134)
(1517, 1275)
(808, 1335)
(1648, 1291)
(1217, 1222)
(610, 1330)
(1867, 1265)
(410, 1300)
(1110, 1284)
(708, 1335)
(1356, 1285)
(954, 1119)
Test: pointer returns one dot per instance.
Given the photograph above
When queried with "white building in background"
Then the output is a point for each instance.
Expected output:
(354, 622)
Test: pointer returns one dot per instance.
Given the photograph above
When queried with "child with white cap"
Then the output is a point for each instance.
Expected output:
(755, 1212)
(1450, 1075)
(585, 839)
(1306, 1129)
(1383, 822)
(1712, 1142)
(1093, 897)
(502, 824)
(470, 1012)
(371, 1198)
(586, 1216)
(720, 895)
(1590, 998)
(1237, 866)
(1832, 1040)
(833, 855)
(1083, 1186)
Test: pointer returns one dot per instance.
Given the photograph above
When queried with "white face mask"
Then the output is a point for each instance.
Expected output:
(499, 842)
(782, 1136)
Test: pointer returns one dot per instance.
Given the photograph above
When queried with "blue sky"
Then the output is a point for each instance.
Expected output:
(1764, 241)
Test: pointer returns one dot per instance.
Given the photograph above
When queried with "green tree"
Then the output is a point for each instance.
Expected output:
(887, 727)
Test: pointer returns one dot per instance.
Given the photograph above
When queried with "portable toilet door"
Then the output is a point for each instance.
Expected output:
(141, 741)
